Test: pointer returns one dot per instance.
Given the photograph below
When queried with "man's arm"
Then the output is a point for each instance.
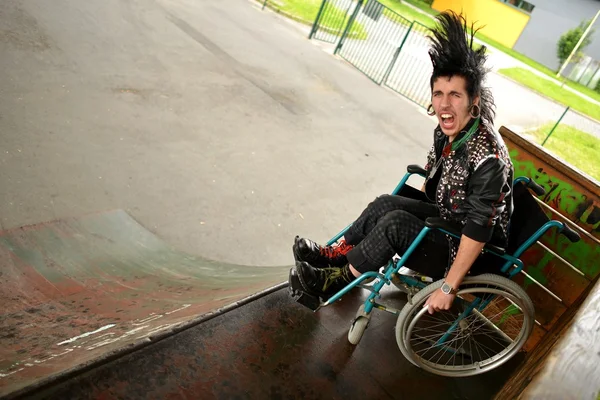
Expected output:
(485, 202)
(468, 251)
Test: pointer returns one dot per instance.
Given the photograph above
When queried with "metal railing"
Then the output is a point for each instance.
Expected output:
(332, 19)
(411, 69)
(385, 46)
(386, 31)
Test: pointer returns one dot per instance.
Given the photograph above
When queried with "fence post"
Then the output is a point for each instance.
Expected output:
(349, 25)
(316, 23)
(592, 77)
(396, 54)
(585, 70)
(554, 127)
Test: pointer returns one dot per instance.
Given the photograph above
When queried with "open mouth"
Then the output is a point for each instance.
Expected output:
(447, 120)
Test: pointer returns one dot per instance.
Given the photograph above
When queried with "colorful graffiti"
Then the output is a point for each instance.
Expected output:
(575, 204)
(561, 195)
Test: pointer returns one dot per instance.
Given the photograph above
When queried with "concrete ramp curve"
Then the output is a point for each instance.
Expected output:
(75, 291)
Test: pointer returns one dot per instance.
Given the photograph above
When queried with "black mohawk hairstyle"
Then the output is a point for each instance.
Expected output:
(452, 53)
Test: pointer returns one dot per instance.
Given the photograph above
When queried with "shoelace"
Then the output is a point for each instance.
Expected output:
(337, 251)
(332, 275)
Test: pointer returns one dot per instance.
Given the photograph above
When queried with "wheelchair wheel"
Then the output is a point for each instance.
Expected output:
(489, 322)
(359, 325)
(357, 329)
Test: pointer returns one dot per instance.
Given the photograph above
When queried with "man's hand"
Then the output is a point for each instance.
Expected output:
(439, 301)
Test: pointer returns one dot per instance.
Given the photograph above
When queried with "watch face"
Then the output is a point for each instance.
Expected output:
(446, 288)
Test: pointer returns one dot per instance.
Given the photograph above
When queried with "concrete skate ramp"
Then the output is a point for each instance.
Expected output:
(78, 290)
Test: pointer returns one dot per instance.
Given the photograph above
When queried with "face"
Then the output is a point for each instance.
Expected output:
(451, 104)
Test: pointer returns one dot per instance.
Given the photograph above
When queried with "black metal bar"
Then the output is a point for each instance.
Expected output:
(345, 17)
(316, 23)
(328, 28)
(369, 53)
(350, 22)
(326, 22)
(416, 78)
(396, 54)
(379, 49)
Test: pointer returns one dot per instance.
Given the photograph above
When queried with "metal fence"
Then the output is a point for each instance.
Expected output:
(374, 54)
(586, 72)
(332, 19)
(388, 48)
(411, 70)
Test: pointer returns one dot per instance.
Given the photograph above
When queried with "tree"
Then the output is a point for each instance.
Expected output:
(568, 41)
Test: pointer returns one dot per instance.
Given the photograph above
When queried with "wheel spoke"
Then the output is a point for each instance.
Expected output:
(474, 342)
(445, 344)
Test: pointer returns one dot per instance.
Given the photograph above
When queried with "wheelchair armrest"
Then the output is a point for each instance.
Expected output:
(440, 223)
(455, 229)
(416, 169)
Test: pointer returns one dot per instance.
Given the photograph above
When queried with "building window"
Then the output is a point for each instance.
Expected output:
(520, 4)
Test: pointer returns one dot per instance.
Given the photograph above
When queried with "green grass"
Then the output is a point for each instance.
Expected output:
(578, 148)
(307, 11)
(584, 89)
(552, 90)
(408, 12)
(422, 6)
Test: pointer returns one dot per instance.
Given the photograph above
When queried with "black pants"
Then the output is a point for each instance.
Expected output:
(388, 226)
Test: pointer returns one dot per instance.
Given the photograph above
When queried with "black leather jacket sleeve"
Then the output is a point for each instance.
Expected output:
(485, 199)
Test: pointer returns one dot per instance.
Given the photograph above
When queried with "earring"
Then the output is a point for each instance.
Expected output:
(478, 111)
(430, 110)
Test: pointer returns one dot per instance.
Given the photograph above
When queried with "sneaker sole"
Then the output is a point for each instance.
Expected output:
(299, 293)
(303, 284)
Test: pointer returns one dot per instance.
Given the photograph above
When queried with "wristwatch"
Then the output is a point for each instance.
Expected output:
(447, 289)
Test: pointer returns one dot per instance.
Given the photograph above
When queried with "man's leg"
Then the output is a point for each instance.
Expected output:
(325, 256)
(380, 208)
(392, 234)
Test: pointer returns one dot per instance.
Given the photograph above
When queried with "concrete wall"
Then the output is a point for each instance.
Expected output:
(500, 22)
(550, 19)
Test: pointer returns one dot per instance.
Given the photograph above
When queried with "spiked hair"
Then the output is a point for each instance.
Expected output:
(452, 53)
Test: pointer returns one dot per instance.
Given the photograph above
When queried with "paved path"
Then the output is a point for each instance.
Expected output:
(522, 110)
(216, 125)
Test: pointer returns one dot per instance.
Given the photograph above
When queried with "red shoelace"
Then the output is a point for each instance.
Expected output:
(332, 252)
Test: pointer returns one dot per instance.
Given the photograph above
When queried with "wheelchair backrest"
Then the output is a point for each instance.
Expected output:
(526, 219)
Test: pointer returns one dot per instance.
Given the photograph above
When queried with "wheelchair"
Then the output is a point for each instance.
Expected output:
(492, 316)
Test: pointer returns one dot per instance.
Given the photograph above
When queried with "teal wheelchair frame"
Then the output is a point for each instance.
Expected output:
(418, 288)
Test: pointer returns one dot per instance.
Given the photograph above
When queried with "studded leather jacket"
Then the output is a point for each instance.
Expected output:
(470, 180)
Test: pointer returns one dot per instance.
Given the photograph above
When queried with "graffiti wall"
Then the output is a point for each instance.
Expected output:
(558, 271)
